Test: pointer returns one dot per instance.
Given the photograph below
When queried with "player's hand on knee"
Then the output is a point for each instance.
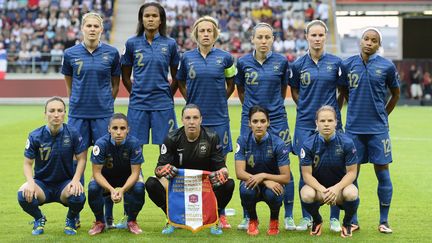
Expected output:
(277, 188)
(168, 171)
(29, 192)
(219, 177)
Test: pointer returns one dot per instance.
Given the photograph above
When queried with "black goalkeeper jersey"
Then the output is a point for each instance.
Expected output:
(205, 153)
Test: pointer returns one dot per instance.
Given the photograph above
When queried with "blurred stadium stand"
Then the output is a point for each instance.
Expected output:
(35, 32)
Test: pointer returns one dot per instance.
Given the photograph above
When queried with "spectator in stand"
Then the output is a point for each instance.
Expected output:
(35, 56)
(24, 58)
(309, 13)
(56, 56)
(427, 89)
(45, 59)
(322, 11)
(12, 59)
(415, 76)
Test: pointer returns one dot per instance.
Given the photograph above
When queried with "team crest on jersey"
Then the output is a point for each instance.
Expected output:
(339, 150)
(302, 154)
(125, 155)
(316, 160)
(269, 151)
(164, 48)
(329, 68)
(27, 146)
(163, 149)
(96, 150)
(378, 72)
(66, 141)
(219, 60)
(105, 57)
(276, 67)
(203, 148)
(237, 147)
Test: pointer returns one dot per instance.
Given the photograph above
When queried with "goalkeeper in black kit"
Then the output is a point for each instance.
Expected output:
(191, 147)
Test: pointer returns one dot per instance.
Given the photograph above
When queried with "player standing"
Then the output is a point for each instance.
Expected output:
(314, 82)
(150, 54)
(206, 78)
(262, 75)
(366, 78)
(52, 148)
(92, 73)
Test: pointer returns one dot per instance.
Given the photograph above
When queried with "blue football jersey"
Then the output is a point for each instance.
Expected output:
(263, 157)
(91, 94)
(263, 84)
(117, 159)
(53, 155)
(317, 85)
(206, 83)
(150, 64)
(368, 84)
(328, 159)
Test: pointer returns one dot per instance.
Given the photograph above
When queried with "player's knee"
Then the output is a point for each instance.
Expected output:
(273, 200)
(76, 200)
(247, 194)
(307, 194)
(350, 193)
(152, 185)
(22, 200)
(21, 197)
(229, 185)
(93, 186)
(139, 189)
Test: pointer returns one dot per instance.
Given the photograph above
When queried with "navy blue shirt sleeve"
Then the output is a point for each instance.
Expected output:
(127, 57)
(182, 70)
(98, 155)
(392, 80)
(294, 81)
(115, 67)
(306, 156)
(30, 148)
(282, 154)
(136, 156)
(175, 57)
(350, 153)
(240, 150)
(239, 78)
(66, 66)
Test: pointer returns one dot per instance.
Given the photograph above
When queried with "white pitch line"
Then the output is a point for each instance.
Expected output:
(411, 139)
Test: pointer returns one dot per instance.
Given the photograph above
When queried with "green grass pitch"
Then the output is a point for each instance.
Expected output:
(410, 214)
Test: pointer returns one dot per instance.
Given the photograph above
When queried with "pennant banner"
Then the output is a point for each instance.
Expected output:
(191, 201)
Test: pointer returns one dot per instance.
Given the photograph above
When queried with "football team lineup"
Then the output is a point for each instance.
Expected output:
(246, 154)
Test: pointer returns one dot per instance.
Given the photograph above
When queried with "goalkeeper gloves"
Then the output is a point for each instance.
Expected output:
(218, 178)
(168, 171)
